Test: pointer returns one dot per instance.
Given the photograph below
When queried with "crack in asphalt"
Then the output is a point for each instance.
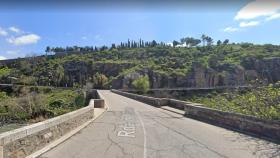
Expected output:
(112, 142)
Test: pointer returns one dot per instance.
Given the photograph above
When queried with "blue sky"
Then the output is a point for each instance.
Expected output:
(26, 32)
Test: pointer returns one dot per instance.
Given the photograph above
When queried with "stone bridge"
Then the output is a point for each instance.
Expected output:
(132, 128)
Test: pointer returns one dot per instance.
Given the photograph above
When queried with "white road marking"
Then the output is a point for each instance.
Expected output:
(144, 132)
(128, 126)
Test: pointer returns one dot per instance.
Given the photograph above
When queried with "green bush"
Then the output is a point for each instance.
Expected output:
(4, 72)
(3, 95)
(99, 81)
(261, 102)
(142, 84)
(35, 102)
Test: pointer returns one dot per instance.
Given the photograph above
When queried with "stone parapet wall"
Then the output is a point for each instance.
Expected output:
(267, 129)
(157, 102)
(24, 141)
(249, 124)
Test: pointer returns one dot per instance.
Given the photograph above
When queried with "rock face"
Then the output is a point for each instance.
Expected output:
(198, 77)
(267, 70)
(80, 72)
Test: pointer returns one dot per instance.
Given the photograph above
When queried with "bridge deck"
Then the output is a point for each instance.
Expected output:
(132, 129)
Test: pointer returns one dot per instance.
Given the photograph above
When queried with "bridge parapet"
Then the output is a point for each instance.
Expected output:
(33, 140)
(267, 129)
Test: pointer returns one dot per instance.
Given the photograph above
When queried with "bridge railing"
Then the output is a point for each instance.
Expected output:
(251, 125)
(195, 88)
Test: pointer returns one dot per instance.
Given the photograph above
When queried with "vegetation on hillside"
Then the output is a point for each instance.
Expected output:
(261, 102)
(60, 67)
(35, 104)
(176, 59)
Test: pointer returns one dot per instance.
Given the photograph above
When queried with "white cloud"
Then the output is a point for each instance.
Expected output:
(24, 40)
(230, 29)
(14, 29)
(258, 8)
(97, 37)
(2, 58)
(272, 17)
(248, 24)
(84, 38)
(3, 32)
(12, 52)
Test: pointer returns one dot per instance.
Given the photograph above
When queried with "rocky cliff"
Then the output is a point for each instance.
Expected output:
(80, 72)
(266, 70)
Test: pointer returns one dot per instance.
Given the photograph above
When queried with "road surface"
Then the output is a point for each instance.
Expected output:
(131, 129)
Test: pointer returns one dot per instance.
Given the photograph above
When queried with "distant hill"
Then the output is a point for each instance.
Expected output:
(166, 66)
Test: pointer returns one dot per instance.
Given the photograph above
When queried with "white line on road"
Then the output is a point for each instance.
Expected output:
(144, 133)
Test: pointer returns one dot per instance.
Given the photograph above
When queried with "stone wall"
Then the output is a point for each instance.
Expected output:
(24, 141)
(186, 92)
(249, 124)
(157, 102)
(267, 129)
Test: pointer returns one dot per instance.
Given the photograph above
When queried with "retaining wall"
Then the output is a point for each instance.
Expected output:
(267, 129)
(24, 141)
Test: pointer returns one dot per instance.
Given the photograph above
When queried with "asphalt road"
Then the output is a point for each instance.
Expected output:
(131, 129)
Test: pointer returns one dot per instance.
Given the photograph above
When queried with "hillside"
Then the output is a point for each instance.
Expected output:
(166, 66)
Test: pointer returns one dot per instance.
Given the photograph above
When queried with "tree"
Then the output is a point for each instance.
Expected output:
(48, 49)
(113, 46)
(154, 43)
(183, 40)
(128, 43)
(103, 48)
(95, 49)
(69, 49)
(195, 42)
(190, 41)
(59, 74)
(219, 42)
(175, 43)
(142, 84)
(209, 41)
(226, 41)
(99, 81)
(203, 39)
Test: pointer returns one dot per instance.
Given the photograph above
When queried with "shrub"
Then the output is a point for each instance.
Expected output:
(99, 81)
(37, 105)
(142, 84)
(4, 72)
(261, 102)
(3, 95)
